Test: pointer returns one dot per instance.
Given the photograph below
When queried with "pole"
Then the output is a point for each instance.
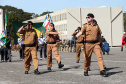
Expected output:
(80, 18)
(111, 25)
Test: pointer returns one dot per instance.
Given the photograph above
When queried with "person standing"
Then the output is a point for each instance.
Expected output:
(21, 44)
(3, 52)
(79, 44)
(8, 47)
(123, 41)
(31, 42)
(41, 45)
(106, 48)
(92, 34)
(52, 38)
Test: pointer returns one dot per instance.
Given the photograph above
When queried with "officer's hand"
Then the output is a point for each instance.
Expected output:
(61, 33)
(24, 25)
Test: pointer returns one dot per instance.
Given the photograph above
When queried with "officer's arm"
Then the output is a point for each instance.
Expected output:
(79, 34)
(82, 31)
(56, 33)
(99, 36)
(74, 33)
(20, 29)
(36, 39)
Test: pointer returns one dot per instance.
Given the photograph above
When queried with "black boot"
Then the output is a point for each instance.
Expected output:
(86, 74)
(89, 69)
(36, 72)
(26, 72)
(121, 48)
(104, 67)
(103, 73)
(60, 65)
(49, 68)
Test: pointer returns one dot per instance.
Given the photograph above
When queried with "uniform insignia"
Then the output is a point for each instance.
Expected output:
(97, 27)
(87, 28)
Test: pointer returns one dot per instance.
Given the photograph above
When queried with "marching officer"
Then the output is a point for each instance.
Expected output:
(42, 45)
(52, 37)
(92, 34)
(79, 44)
(31, 42)
(21, 43)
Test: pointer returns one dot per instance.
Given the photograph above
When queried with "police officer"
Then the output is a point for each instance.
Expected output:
(52, 37)
(41, 41)
(31, 42)
(92, 34)
(21, 43)
(79, 44)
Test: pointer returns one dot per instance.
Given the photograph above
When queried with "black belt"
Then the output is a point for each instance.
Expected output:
(30, 45)
(51, 42)
(92, 42)
(78, 42)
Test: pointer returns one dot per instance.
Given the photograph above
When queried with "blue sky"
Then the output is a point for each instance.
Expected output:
(39, 6)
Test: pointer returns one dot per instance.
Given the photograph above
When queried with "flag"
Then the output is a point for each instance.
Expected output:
(47, 21)
(16, 25)
(5, 31)
(3, 36)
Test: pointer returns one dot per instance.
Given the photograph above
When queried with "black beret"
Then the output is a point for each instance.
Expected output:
(79, 28)
(90, 15)
(30, 22)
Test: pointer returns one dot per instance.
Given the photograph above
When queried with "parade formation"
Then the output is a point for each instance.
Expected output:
(87, 40)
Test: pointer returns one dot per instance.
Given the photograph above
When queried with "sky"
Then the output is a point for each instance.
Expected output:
(40, 6)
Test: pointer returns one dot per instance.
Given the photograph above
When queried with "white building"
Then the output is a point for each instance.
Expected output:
(110, 20)
(1, 21)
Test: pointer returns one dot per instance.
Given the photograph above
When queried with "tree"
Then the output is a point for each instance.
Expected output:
(35, 15)
(44, 13)
(14, 14)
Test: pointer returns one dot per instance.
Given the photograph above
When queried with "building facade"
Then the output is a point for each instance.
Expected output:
(1, 21)
(110, 20)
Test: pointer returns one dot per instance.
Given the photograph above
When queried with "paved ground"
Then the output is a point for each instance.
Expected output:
(72, 73)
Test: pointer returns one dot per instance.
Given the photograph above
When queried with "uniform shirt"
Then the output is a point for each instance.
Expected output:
(51, 37)
(92, 31)
(20, 41)
(1, 43)
(41, 40)
(80, 38)
(30, 36)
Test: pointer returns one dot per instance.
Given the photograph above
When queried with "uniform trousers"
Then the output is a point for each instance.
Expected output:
(78, 50)
(30, 54)
(97, 50)
(4, 53)
(50, 48)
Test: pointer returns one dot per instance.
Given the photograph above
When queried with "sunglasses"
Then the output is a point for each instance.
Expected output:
(51, 25)
(29, 24)
(88, 17)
